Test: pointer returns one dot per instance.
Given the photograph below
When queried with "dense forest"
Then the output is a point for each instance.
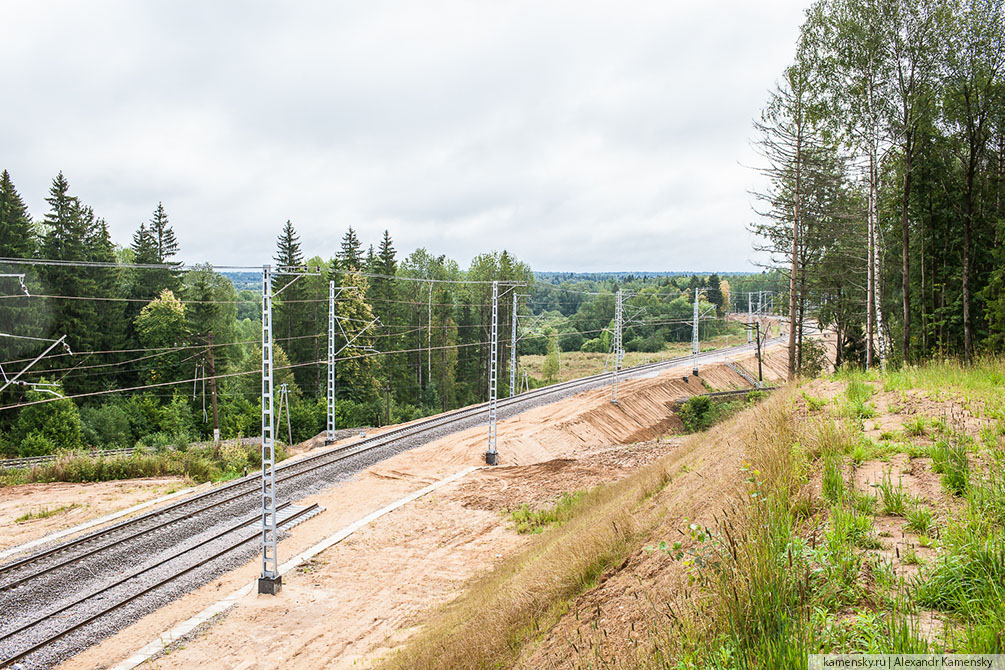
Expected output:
(150, 342)
(884, 143)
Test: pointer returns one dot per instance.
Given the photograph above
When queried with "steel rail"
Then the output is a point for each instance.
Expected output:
(111, 608)
(334, 455)
(134, 574)
(293, 469)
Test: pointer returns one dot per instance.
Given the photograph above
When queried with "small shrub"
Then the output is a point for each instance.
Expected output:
(535, 521)
(35, 444)
(695, 413)
(814, 404)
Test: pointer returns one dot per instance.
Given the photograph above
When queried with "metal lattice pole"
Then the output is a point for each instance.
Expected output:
(750, 316)
(694, 337)
(330, 433)
(429, 338)
(269, 581)
(512, 352)
(491, 455)
(619, 352)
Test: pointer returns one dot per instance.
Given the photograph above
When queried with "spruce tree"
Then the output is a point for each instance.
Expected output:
(382, 297)
(288, 251)
(110, 327)
(18, 239)
(17, 234)
(289, 315)
(350, 258)
(160, 230)
(65, 239)
(144, 246)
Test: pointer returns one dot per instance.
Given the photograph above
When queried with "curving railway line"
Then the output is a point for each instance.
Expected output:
(59, 600)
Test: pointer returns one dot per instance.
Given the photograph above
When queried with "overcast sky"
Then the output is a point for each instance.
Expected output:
(580, 136)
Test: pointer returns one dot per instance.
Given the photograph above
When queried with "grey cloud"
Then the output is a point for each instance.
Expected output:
(584, 136)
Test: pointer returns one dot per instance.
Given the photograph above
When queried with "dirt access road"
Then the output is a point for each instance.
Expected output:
(366, 594)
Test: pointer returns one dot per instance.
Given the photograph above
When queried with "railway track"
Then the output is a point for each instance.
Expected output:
(141, 563)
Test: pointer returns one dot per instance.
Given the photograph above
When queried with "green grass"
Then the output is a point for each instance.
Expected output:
(896, 502)
(833, 477)
(920, 520)
(814, 404)
(528, 520)
(199, 464)
(950, 459)
(857, 405)
(910, 556)
(848, 527)
(44, 513)
(916, 426)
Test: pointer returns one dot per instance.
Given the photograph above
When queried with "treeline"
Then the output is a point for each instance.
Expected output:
(885, 145)
(152, 343)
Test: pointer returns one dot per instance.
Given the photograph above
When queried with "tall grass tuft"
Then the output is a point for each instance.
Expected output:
(895, 499)
(833, 477)
(949, 457)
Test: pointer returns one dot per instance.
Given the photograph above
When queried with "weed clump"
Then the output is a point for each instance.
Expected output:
(528, 520)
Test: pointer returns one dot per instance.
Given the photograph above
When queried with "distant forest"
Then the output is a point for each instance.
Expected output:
(149, 340)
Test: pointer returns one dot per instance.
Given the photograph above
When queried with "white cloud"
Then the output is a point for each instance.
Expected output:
(581, 136)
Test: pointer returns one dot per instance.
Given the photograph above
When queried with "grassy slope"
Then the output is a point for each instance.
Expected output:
(787, 557)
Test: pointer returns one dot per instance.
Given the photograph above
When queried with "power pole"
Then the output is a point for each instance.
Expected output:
(512, 352)
(491, 455)
(270, 580)
(760, 371)
(694, 336)
(330, 433)
(750, 314)
(619, 352)
(212, 390)
(429, 338)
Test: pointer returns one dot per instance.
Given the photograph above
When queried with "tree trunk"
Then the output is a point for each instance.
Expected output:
(924, 307)
(967, 231)
(905, 234)
(869, 284)
(876, 251)
(794, 264)
(212, 390)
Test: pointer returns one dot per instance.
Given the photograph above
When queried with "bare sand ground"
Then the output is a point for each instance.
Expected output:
(369, 592)
(71, 504)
